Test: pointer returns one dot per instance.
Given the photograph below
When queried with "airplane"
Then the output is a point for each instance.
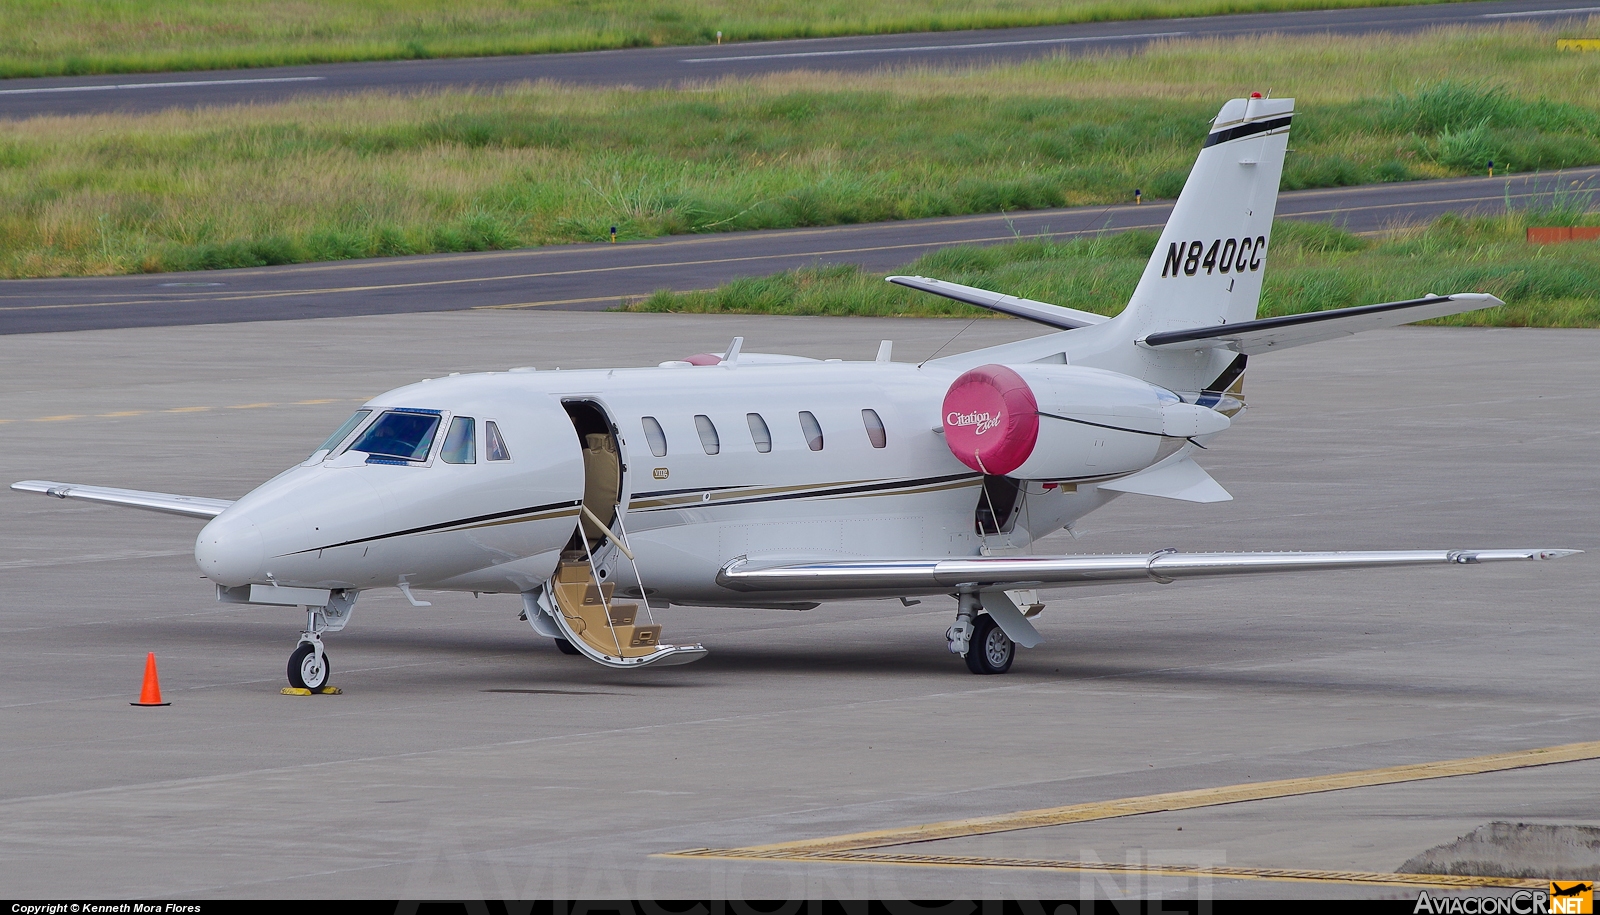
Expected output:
(772, 481)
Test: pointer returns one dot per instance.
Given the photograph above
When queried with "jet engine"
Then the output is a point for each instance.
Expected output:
(1064, 422)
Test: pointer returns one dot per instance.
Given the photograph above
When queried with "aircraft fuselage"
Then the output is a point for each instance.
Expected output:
(743, 473)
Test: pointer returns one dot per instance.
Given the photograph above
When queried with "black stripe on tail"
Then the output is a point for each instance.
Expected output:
(1246, 130)
(1213, 392)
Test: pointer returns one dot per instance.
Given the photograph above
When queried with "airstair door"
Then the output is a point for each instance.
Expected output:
(580, 599)
(602, 471)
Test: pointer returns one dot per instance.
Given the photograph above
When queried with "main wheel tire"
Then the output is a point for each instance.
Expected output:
(306, 671)
(990, 650)
(565, 647)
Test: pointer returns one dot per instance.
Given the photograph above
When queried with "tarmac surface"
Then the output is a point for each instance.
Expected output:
(21, 98)
(467, 757)
(597, 277)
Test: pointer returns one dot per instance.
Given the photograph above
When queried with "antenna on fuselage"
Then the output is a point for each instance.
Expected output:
(884, 349)
(731, 357)
(948, 342)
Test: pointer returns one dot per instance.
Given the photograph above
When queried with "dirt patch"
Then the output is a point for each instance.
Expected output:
(1528, 850)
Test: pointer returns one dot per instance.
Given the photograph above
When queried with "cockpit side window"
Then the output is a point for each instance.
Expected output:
(460, 443)
(494, 447)
(344, 431)
(400, 434)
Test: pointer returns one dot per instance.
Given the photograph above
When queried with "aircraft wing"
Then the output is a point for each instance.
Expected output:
(1268, 334)
(1042, 312)
(191, 506)
(935, 575)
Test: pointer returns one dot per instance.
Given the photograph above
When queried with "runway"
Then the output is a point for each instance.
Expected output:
(670, 66)
(594, 277)
(467, 757)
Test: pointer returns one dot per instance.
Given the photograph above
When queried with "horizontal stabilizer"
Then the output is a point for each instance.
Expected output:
(914, 576)
(1042, 312)
(1183, 480)
(190, 506)
(1268, 334)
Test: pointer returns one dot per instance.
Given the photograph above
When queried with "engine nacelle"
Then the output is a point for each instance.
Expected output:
(1066, 422)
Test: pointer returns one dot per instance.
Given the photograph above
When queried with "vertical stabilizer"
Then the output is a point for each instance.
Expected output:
(1208, 265)
(1206, 269)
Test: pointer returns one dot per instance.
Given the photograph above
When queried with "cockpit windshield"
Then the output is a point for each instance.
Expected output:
(344, 432)
(403, 434)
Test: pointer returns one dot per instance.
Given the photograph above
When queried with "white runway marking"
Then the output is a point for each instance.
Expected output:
(1577, 9)
(169, 85)
(932, 47)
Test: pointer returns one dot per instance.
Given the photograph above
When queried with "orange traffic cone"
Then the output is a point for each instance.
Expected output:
(151, 694)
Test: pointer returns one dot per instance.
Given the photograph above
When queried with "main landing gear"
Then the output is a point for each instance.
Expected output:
(979, 639)
(990, 651)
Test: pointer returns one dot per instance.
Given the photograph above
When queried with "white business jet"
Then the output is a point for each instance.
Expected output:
(757, 480)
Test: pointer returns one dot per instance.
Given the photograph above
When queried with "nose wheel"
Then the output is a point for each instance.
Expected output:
(308, 663)
(309, 667)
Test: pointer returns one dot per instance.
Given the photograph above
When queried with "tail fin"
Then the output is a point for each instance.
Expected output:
(1207, 267)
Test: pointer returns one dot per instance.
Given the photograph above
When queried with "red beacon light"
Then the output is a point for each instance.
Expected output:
(1255, 95)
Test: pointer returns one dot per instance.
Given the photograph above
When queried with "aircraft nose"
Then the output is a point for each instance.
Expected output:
(230, 551)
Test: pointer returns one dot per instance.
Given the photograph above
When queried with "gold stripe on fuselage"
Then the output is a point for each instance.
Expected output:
(549, 515)
(939, 487)
(745, 492)
(815, 490)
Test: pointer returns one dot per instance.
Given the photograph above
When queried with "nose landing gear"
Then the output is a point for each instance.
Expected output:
(309, 667)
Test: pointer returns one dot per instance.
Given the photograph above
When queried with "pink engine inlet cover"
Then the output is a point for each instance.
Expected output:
(991, 419)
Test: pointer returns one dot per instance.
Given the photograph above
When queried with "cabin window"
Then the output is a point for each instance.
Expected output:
(812, 430)
(461, 442)
(875, 431)
(494, 447)
(400, 434)
(708, 434)
(654, 436)
(349, 426)
(759, 433)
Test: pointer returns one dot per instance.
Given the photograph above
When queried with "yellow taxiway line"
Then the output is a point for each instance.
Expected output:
(854, 847)
(1188, 800)
(1217, 871)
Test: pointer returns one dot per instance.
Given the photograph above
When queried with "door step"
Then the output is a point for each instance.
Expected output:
(606, 630)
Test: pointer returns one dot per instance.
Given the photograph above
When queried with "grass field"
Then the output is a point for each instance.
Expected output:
(381, 175)
(1312, 267)
(54, 37)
